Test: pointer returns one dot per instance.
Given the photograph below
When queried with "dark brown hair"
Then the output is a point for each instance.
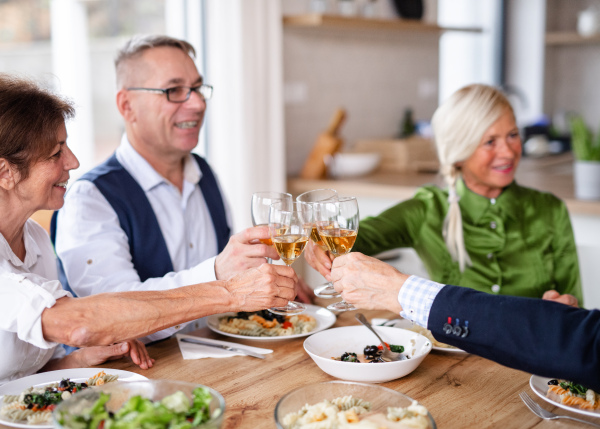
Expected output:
(29, 120)
(139, 43)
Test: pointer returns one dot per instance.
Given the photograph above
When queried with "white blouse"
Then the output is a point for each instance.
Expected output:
(26, 289)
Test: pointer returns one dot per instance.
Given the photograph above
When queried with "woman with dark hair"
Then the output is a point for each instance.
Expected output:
(36, 314)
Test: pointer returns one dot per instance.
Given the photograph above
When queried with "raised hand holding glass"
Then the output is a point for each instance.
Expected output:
(290, 225)
(337, 223)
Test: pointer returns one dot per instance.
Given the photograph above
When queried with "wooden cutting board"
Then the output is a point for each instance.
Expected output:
(327, 143)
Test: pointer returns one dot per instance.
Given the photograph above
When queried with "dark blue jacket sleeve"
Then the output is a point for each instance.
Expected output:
(533, 335)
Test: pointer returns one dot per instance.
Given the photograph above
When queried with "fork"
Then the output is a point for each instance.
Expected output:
(387, 355)
(545, 414)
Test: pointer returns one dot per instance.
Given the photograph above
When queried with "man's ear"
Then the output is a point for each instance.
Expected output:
(7, 175)
(124, 105)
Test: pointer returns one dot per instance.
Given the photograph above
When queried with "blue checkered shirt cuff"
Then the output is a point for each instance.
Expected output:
(416, 297)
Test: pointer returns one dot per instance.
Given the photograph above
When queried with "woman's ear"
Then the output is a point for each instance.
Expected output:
(7, 175)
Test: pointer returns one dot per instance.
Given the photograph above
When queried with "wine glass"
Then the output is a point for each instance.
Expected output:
(337, 223)
(290, 225)
(312, 197)
(260, 206)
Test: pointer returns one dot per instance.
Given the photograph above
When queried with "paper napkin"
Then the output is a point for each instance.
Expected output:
(198, 351)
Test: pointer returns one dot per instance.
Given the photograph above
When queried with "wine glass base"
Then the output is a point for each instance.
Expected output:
(327, 291)
(341, 306)
(291, 308)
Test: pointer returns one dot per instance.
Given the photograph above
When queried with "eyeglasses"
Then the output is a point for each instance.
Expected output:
(180, 94)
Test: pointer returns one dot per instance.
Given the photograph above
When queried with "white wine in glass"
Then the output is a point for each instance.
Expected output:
(337, 222)
(260, 206)
(312, 197)
(290, 225)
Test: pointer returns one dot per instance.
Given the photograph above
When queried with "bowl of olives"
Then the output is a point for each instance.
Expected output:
(353, 353)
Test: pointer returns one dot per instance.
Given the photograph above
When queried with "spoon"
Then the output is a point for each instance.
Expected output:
(388, 355)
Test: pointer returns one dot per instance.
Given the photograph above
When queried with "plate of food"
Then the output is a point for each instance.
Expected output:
(407, 324)
(567, 395)
(29, 401)
(266, 326)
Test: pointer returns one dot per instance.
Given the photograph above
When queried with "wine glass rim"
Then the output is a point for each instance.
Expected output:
(275, 204)
(271, 194)
(335, 193)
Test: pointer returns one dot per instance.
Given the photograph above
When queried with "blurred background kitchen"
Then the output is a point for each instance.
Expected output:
(281, 68)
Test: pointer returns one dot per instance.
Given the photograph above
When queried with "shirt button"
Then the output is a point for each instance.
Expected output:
(191, 245)
(493, 201)
(89, 262)
(178, 327)
(490, 255)
(493, 225)
(495, 288)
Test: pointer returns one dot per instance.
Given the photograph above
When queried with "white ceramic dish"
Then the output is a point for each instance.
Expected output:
(352, 164)
(75, 374)
(380, 398)
(324, 345)
(407, 324)
(324, 317)
(540, 386)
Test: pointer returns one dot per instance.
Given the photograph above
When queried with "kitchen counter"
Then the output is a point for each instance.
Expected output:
(551, 174)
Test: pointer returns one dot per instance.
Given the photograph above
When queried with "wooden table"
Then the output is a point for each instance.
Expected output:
(460, 390)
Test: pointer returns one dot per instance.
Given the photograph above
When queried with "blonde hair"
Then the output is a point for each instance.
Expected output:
(458, 126)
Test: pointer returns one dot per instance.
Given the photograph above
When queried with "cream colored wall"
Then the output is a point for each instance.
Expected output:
(372, 77)
(571, 72)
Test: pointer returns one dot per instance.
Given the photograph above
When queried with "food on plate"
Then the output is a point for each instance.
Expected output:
(349, 412)
(266, 324)
(371, 354)
(34, 405)
(573, 394)
(427, 333)
(173, 411)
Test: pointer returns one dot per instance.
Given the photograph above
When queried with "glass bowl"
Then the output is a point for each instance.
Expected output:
(380, 398)
(120, 393)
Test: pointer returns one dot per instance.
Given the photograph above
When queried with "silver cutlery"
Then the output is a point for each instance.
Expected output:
(388, 355)
(547, 415)
(222, 346)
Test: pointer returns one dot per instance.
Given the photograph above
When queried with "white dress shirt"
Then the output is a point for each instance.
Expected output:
(27, 288)
(416, 298)
(95, 251)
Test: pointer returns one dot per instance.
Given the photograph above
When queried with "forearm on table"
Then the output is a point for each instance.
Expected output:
(108, 318)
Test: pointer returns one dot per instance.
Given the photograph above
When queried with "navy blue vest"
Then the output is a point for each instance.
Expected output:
(149, 253)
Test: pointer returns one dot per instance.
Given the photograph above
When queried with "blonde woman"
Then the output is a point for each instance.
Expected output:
(483, 231)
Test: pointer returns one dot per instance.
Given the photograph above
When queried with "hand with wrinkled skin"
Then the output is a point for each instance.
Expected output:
(92, 356)
(319, 259)
(552, 295)
(263, 287)
(367, 282)
(305, 293)
(244, 251)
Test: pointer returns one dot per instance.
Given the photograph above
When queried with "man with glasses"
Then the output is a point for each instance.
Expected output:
(152, 217)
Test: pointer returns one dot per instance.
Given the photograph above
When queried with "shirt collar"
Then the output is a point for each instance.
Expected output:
(474, 206)
(32, 250)
(146, 176)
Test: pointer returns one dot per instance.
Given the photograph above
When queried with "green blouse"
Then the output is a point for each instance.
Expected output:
(520, 243)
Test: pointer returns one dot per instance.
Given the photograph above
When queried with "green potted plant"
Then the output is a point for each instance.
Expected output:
(586, 149)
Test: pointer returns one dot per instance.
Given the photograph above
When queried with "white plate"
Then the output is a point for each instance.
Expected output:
(407, 324)
(540, 386)
(324, 318)
(75, 374)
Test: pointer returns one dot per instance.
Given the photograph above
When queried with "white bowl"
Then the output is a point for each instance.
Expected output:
(352, 164)
(324, 345)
